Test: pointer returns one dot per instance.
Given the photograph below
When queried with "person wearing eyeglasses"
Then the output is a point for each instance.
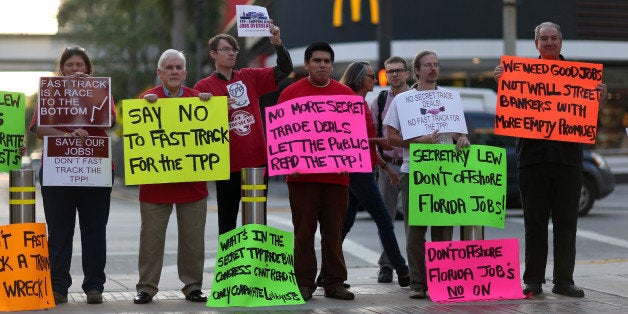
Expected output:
(246, 131)
(397, 75)
(426, 70)
(62, 203)
(157, 201)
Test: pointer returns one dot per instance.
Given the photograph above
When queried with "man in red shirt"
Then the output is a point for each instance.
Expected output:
(246, 131)
(318, 198)
(156, 201)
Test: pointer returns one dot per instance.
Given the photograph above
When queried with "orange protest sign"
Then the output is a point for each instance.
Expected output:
(24, 268)
(548, 99)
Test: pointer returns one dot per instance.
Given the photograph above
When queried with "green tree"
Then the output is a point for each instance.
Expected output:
(126, 37)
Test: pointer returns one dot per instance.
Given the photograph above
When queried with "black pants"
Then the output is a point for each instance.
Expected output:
(228, 195)
(550, 191)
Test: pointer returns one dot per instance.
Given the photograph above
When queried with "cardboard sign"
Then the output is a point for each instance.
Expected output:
(72, 161)
(24, 268)
(477, 270)
(12, 114)
(547, 99)
(317, 134)
(252, 21)
(254, 267)
(423, 112)
(74, 101)
(457, 188)
(175, 140)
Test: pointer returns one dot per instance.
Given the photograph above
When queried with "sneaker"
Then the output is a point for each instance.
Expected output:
(568, 290)
(417, 293)
(385, 275)
(59, 298)
(532, 288)
(340, 293)
(404, 280)
(306, 293)
(94, 297)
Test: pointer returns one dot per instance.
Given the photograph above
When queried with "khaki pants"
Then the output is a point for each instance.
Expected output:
(191, 245)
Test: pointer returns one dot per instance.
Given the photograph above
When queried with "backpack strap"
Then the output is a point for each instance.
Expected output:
(381, 103)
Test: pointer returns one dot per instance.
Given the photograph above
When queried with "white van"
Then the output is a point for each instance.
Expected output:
(473, 99)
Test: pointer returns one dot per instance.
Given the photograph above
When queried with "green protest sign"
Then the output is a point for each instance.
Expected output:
(12, 112)
(254, 267)
(457, 188)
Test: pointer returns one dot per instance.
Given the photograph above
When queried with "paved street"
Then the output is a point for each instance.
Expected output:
(602, 263)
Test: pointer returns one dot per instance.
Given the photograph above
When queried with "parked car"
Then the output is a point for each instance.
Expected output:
(597, 179)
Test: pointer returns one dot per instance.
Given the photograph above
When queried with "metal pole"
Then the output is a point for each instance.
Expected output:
(509, 21)
(22, 196)
(253, 196)
(471, 232)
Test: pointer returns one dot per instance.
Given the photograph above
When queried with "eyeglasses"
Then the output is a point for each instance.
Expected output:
(74, 48)
(431, 65)
(395, 71)
(228, 50)
(371, 75)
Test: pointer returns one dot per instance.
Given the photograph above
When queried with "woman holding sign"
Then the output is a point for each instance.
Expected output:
(61, 203)
(363, 189)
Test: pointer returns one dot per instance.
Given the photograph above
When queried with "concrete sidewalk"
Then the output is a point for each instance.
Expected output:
(605, 284)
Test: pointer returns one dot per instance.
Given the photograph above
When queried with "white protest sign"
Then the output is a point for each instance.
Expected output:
(423, 112)
(253, 21)
(71, 161)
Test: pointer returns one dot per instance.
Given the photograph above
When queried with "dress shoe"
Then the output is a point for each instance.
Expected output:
(142, 298)
(59, 298)
(306, 293)
(404, 280)
(417, 293)
(385, 275)
(319, 282)
(534, 288)
(196, 296)
(94, 297)
(340, 293)
(568, 290)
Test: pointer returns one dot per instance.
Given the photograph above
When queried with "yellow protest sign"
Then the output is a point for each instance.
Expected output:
(24, 268)
(175, 140)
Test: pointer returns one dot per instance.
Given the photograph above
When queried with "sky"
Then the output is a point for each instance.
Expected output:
(26, 17)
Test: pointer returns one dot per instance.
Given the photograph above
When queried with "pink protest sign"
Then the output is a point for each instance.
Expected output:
(460, 271)
(317, 134)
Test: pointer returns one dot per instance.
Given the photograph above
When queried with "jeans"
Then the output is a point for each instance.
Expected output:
(390, 195)
(363, 191)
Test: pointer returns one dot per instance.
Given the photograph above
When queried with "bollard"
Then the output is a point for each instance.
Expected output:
(253, 196)
(22, 196)
(471, 232)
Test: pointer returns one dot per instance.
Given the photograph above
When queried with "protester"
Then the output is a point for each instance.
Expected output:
(246, 132)
(157, 200)
(318, 198)
(397, 74)
(426, 70)
(363, 190)
(61, 204)
(550, 180)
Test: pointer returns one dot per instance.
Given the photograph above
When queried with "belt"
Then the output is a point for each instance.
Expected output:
(390, 160)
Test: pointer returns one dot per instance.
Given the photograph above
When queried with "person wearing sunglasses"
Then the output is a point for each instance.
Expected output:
(246, 131)
(61, 204)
